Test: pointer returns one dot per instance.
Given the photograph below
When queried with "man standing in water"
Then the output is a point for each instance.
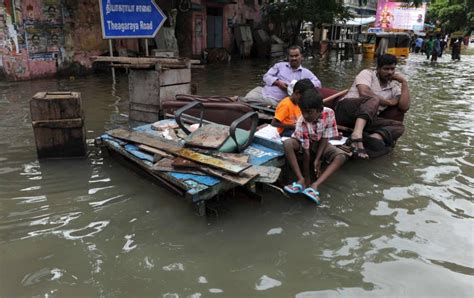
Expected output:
(373, 95)
(456, 49)
(429, 47)
(436, 49)
(278, 78)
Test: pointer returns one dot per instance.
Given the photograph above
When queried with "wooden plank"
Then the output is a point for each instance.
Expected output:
(155, 151)
(144, 87)
(60, 93)
(169, 92)
(172, 66)
(136, 66)
(60, 142)
(176, 149)
(233, 167)
(139, 60)
(241, 179)
(145, 139)
(54, 106)
(210, 136)
(166, 165)
(140, 107)
(157, 157)
(180, 162)
(267, 174)
(61, 123)
(175, 76)
(239, 157)
(143, 117)
(173, 184)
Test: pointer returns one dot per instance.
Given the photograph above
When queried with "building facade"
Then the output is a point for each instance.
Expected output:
(39, 38)
(360, 9)
(214, 22)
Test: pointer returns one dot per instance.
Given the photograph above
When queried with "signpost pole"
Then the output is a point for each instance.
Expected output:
(111, 50)
(130, 19)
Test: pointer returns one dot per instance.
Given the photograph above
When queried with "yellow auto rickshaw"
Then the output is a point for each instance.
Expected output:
(395, 43)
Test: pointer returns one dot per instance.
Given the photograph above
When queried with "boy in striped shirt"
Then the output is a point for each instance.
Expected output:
(314, 128)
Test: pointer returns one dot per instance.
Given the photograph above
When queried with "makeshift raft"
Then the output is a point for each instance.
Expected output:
(195, 174)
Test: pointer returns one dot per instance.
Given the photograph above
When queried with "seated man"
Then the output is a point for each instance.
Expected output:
(287, 111)
(311, 137)
(372, 92)
(277, 79)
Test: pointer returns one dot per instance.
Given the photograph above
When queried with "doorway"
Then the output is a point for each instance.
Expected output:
(214, 27)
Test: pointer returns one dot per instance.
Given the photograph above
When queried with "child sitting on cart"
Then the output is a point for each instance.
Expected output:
(287, 111)
(314, 128)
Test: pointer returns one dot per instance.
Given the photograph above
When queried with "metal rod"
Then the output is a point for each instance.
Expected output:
(111, 50)
(190, 119)
(146, 47)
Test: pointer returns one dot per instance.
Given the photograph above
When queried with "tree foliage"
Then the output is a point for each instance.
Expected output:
(315, 11)
(452, 15)
(294, 12)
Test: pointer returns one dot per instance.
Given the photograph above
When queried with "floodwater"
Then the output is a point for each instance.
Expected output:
(401, 225)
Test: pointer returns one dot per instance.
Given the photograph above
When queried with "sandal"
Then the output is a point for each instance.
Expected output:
(294, 188)
(358, 152)
(312, 194)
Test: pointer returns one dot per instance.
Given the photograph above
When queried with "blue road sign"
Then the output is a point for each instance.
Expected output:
(130, 18)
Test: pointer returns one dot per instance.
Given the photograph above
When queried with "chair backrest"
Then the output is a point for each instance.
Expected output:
(239, 138)
(216, 99)
(218, 112)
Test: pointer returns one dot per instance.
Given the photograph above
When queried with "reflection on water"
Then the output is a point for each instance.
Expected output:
(400, 225)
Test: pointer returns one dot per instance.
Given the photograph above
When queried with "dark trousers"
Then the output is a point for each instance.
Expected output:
(348, 110)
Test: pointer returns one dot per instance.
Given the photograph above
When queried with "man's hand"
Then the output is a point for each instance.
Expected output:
(280, 84)
(389, 102)
(399, 78)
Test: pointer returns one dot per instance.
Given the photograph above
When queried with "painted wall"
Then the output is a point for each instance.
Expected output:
(40, 38)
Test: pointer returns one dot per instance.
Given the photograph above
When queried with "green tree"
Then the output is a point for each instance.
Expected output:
(452, 15)
(294, 12)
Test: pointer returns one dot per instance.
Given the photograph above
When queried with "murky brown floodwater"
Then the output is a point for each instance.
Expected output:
(401, 225)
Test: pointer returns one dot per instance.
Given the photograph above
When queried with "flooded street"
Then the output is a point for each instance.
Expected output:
(400, 225)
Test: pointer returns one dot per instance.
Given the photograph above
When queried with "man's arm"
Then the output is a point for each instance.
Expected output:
(404, 99)
(278, 123)
(271, 78)
(309, 75)
(365, 90)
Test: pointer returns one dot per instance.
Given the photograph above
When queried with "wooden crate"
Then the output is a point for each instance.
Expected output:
(148, 88)
(58, 124)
